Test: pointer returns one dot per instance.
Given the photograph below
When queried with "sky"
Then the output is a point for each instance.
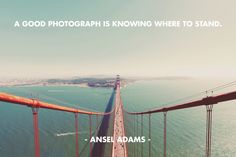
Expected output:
(65, 52)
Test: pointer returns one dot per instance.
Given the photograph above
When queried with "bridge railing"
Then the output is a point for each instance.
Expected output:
(209, 101)
(36, 104)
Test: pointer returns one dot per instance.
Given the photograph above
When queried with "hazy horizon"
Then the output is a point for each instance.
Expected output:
(67, 52)
(138, 77)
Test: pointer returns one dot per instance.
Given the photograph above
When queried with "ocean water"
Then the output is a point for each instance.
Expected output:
(185, 128)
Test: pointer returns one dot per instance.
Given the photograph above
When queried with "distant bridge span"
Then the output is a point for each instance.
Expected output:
(119, 149)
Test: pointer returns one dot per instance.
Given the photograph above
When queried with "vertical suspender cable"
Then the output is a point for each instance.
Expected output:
(134, 136)
(149, 129)
(142, 134)
(97, 121)
(165, 113)
(76, 136)
(90, 134)
(208, 130)
(137, 145)
(36, 132)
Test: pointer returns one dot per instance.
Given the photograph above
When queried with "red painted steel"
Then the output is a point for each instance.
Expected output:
(97, 125)
(39, 104)
(208, 101)
(142, 135)
(208, 130)
(119, 129)
(149, 136)
(36, 132)
(36, 104)
(90, 135)
(205, 101)
(134, 135)
(76, 136)
(165, 114)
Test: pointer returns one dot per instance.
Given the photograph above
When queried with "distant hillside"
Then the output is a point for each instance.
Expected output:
(107, 82)
(91, 82)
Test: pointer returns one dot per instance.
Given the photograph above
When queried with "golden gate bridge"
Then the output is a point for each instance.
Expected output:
(120, 149)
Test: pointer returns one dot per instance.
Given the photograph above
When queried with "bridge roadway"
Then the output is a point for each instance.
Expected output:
(119, 149)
